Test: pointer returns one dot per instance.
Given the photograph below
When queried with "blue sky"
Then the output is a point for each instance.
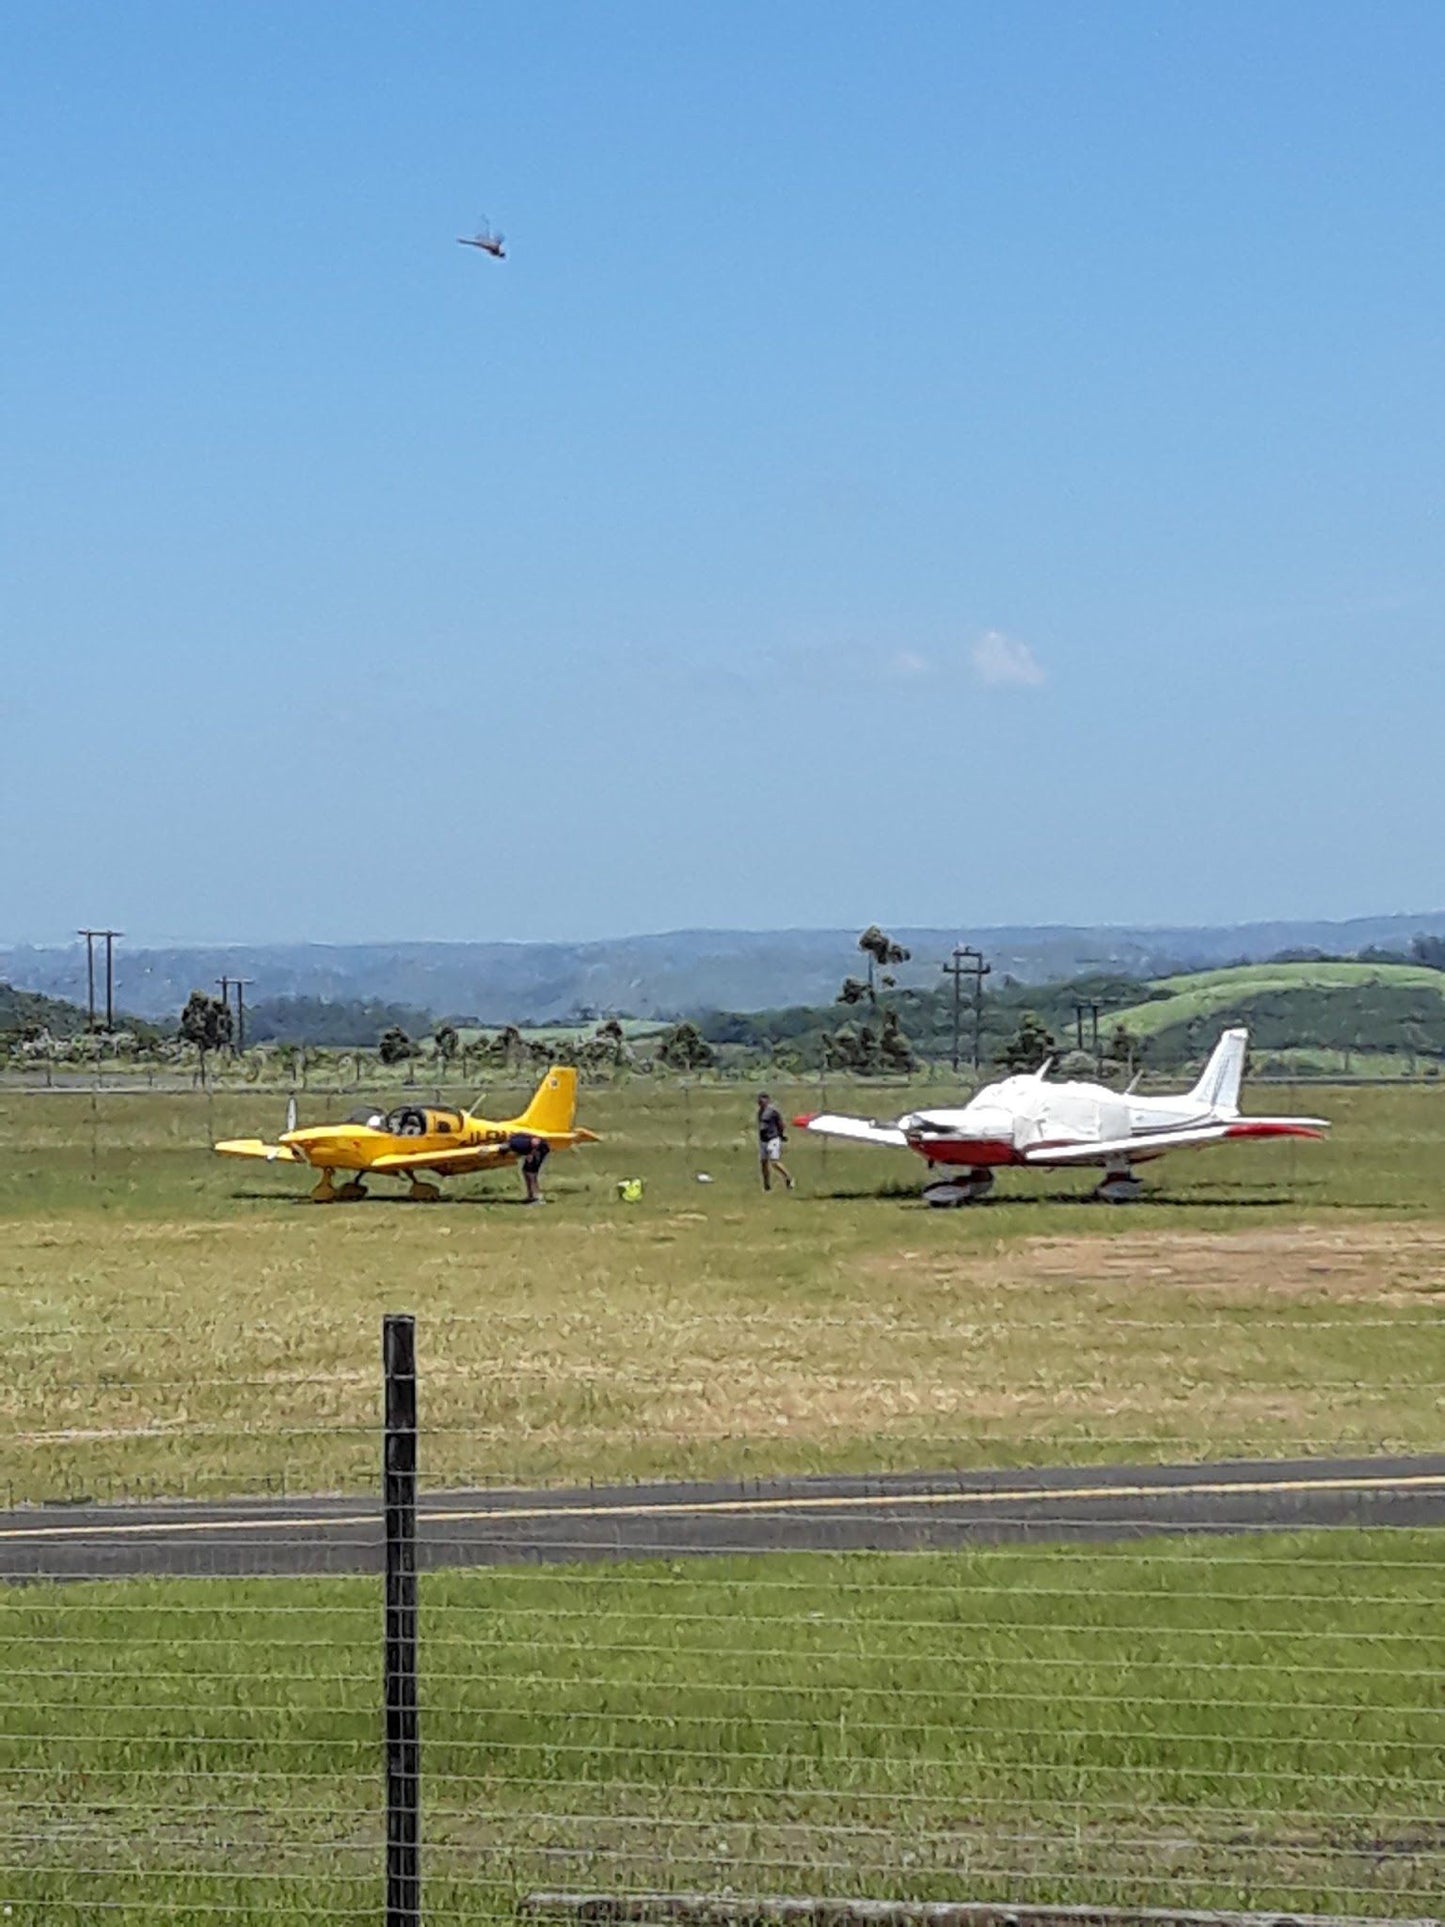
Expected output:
(947, 464)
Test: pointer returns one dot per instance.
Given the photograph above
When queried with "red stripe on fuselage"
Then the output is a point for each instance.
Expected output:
(1259, 1128)
(979, 1151)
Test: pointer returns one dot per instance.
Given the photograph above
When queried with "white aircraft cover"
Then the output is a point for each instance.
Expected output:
(1118, 1147)
(1143, 1143)
(861, 1130)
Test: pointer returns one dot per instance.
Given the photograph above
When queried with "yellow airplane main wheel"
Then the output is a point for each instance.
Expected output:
(350, 1192)
(423, 1192)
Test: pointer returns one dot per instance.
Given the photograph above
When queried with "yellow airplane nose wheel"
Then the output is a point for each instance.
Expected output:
(325, 1191)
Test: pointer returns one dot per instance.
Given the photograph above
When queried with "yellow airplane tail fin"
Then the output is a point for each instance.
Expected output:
(554, 1102)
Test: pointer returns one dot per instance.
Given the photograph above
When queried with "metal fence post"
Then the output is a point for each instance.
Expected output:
(403, 1738)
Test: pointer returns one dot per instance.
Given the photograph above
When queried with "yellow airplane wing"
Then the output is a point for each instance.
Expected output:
(446, 1159)
(474, 1157)
(252, 1147)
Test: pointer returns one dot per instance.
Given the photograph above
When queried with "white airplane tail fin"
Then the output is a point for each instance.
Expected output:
(1218, 1087)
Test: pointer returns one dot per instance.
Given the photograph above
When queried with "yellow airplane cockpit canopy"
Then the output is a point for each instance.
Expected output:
(410, 1120)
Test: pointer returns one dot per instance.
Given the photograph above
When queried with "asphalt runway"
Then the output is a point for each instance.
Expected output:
(910, 1512)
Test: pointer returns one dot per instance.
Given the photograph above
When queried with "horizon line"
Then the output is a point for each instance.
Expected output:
(161, 943)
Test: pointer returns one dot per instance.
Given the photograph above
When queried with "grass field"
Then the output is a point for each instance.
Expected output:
(1247, 1723)
(178, 1323)
(1256, 1723)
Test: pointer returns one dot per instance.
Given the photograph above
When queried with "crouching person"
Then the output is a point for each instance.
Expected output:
(531, 1154)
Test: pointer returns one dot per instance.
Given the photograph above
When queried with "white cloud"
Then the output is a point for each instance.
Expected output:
(1001, 661)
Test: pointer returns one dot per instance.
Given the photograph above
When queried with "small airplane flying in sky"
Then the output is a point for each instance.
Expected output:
(484, 239)
(417, 1138)
(1027, 1121)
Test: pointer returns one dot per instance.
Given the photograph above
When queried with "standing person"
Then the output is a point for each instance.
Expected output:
(531, 1153)
(771, 1139)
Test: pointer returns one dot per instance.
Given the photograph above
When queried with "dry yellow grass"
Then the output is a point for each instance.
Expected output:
(176, 1323)
(242, 1356)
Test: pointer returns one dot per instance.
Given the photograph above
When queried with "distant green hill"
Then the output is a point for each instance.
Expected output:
(340, 1024)
(1294, 1006)
(672, 973)
(1313, 1011)
(23, 1010)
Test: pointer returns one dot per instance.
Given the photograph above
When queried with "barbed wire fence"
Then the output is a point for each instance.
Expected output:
(1010, 1677)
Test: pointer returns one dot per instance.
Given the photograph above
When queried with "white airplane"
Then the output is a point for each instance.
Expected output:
(1026, 1121)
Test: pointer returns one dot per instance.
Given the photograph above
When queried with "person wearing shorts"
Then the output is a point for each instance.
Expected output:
(771, 1139)
(531, 1154)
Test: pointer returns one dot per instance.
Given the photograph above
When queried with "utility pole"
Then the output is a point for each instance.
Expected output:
(981, 971)
(110, 937)
(238, 984)
(965, 961)
(241, 983)
(951, 969)
(90, 937)
(1082, 1004)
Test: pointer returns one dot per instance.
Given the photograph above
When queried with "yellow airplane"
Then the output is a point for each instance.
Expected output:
(420, 1137)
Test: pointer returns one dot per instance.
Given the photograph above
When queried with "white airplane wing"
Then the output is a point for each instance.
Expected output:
(858, 1130)
(1145, 1143)
(1100, 1150)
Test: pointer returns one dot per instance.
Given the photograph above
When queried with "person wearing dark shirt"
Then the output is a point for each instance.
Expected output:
(771, 1139)
(531, 1154)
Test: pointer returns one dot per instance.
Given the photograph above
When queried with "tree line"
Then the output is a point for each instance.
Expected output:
(875, 1025)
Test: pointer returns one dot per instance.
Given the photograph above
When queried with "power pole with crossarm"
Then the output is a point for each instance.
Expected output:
(90, 937)
(965, 961)
(238, 984)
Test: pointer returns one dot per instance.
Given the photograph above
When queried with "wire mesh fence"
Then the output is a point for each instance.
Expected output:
(1134, 1685)
(1193, 1686)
